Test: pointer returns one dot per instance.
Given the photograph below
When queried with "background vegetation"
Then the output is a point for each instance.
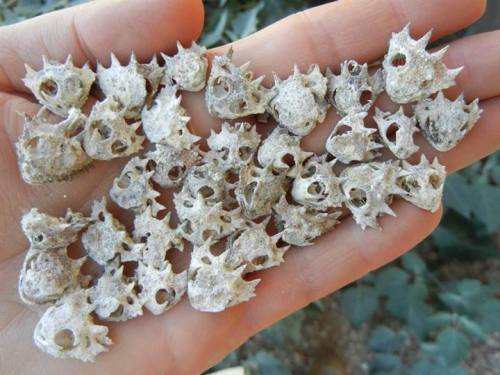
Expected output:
(435, 311)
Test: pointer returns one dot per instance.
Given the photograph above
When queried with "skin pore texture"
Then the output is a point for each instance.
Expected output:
(185, 341)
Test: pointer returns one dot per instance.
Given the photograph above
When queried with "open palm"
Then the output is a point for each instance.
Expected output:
(185, 341)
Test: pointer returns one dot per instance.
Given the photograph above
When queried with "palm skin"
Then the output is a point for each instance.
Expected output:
(184, 341)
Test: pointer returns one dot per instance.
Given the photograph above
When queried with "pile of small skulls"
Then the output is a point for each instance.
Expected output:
(241, 202)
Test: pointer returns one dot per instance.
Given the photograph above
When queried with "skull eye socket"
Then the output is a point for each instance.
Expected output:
(391, 132)
(398, 60)
(309, 172)
(260, 260)
(358, 197)
(365, 97)
(176, 173)
(65, 339)
(341, 129)
(118, 147)
(289, 160)
(354, 68)
(435, 181)
(316, 188)
(162, 296)
(244, 153)
(124, 181)
(206, 191)
(117, 313)
(49, 88)
(221, 88)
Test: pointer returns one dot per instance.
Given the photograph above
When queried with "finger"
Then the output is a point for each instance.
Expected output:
(357, 30)
(162, 344)
(334, 32)
(91, 31)
(480, 57)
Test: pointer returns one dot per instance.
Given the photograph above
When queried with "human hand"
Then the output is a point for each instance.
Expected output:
(185, 341)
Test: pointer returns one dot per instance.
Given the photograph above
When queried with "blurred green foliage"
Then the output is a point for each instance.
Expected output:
(441, 315)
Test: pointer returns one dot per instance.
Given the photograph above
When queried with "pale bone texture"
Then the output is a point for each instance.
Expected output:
(114, 297)
(158, 237)
(396, 131)
(47, 274)
(210, 180)
(49, 152)
(166, 121)
(317, 186)
(108, 135)
(125, 84)
(351, 140)
(153, 73)
(354, 89)
(232, 92)
(188, 68)
(60, 87)
(254, 248)
(258, 189)
(67, 329)
(298, 103)
(412, 73)
(282, 152)
(160, 289)
(107, 238)
(444, 122)
(423, 183)
(234, 145)
(368, 190)
(171, 164)
(201, 221)
(47, 271)
(300, 225)
(49, 232)
(223, 190)
(133, 189)
(214, 286)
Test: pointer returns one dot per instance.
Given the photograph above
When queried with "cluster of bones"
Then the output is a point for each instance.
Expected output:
(241, 201)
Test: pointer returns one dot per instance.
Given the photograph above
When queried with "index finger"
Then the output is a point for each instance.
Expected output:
(89, 32)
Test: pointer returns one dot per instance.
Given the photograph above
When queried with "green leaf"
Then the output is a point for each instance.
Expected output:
(453, 301)
(413, 263)
(385, 362)
(245, 23)
(467, 296)
(453, 345)
(458, 237)
(408, 304)
(427, 367)
(286, 330)
(473, 291)
(214, 36)
(390, 278)
(266, 363)
(385, 340)
(472, 195)
(359, 303)
(471, 328)
(440, 320)
(488, 315)
(487, 205)
(458, 195)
